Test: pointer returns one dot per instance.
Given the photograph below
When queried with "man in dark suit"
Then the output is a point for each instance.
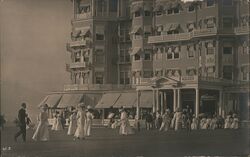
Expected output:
(22, 123)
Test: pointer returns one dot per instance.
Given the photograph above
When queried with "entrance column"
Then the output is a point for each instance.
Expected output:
(179, 98)
(157, 100)
(154, 101)
(220, 103)
(138, 104)
(174, 98)
(197, 102)
(162, 102)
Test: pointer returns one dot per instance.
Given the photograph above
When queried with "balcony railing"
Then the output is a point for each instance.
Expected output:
(78, 65)
(169, 38)
(74, 87)
(244, 30)
(186, 79)
(77, 43)
(204, 32)
(83, 15)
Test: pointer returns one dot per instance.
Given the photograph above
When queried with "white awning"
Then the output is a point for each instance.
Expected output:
(135, 29)
(108, 100)
(70, 100)
(127, 100)
(51, 100)
(135, 50)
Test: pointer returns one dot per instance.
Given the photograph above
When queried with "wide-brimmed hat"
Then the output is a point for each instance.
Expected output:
(81, 105)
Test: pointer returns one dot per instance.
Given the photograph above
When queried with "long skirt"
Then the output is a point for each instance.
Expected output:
(72, 128)
(194, 126)
(80, 131)
(42, 132)
(178, 126)
(88, 127)
(125, 128)
(165, 126)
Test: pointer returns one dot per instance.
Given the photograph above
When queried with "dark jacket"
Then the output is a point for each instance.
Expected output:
(22, 116)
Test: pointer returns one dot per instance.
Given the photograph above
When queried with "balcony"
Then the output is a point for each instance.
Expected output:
(244, 30)
(83, 16)
(78, 65)
(189, 79)
(169, 38)
(75, 87)
(77, 43)
(204, 32)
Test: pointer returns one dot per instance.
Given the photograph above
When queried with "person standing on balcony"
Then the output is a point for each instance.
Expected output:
(89, 119)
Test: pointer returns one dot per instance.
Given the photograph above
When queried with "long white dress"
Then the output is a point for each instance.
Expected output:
(194, 125)
(228, 122)
(235, 123)
(54, 123)
(125, 128)
(42, 130)
(203, 123)
(89, 118)
(177, 121)
(166, 120)
(58, 123)
(81, 120)
(72, 124)
(213, 124)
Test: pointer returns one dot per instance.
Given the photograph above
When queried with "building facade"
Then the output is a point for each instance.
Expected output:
(162, 54)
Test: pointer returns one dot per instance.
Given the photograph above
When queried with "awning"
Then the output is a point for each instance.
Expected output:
(70, 100)
(135, 50)
(76, 33)
(146, 99)
(135, 29)
(84, 31)
(108, 100)
(127, 100)
(51, 100)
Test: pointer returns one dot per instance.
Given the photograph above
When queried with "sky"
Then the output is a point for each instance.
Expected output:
(33, 37)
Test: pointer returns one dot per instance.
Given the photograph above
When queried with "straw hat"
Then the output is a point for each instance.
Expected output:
(89, 107)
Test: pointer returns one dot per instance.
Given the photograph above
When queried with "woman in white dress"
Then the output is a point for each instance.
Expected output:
(166, 120)
(213, 124)
(177, 120)
(42, 130)
(81, 121)
(194, 124)
(72, 123)
(89, 119)
(125, 128)
(228, 122)
(54, 122)
(59, 126)
(203, 123)
(235, 122)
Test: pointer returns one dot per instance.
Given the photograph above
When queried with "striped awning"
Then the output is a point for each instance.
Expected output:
(70, 100)
(127, 100)
(108, 100)
(51, 100)
(135, 50)
(136, 29)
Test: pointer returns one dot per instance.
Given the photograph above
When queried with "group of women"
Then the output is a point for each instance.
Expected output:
(80, 122)
(181, 120)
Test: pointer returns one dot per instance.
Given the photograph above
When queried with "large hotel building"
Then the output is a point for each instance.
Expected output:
(158, 54)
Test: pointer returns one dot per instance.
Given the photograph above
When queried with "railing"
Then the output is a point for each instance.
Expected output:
(204, 32)
(78, 65)
(73, 87)
(170, 37)
(193, 78)
(83, 15)
(78, 43)
(145, 80)
(241, 30)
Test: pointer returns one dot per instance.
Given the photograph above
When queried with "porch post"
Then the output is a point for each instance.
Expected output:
(197, 102)
(220, 102)
(154, 100)
(162, 102)
(179, 98)
(157, 100)
(138, 104)
(174, 98)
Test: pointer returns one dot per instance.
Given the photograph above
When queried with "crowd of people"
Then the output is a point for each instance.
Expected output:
(80, 122)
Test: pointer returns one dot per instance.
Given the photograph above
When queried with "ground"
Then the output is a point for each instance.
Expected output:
(106, 142)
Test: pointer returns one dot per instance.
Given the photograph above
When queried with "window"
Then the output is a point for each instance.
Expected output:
(137, 14)
(137, 57)
(245, 48)
(210, 71)
(124, 55)
(210, 48)
(99, 78)
(210, 3)
(100, 33)
(147, 13)
(147, 74)
(169, 53)
(228, 72)
(99, 37)
(170, 11)
(176, 10)
(78, 56)
(176, 53)
(100, 59)
(158, 13)
(147, 56)
(227, 2)
(191, 8)
(124, 77)
(210, 22)
(191, 51)
(245, 73)
(227, 22)
(227, 50)
(158, 53)
(113, 5)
